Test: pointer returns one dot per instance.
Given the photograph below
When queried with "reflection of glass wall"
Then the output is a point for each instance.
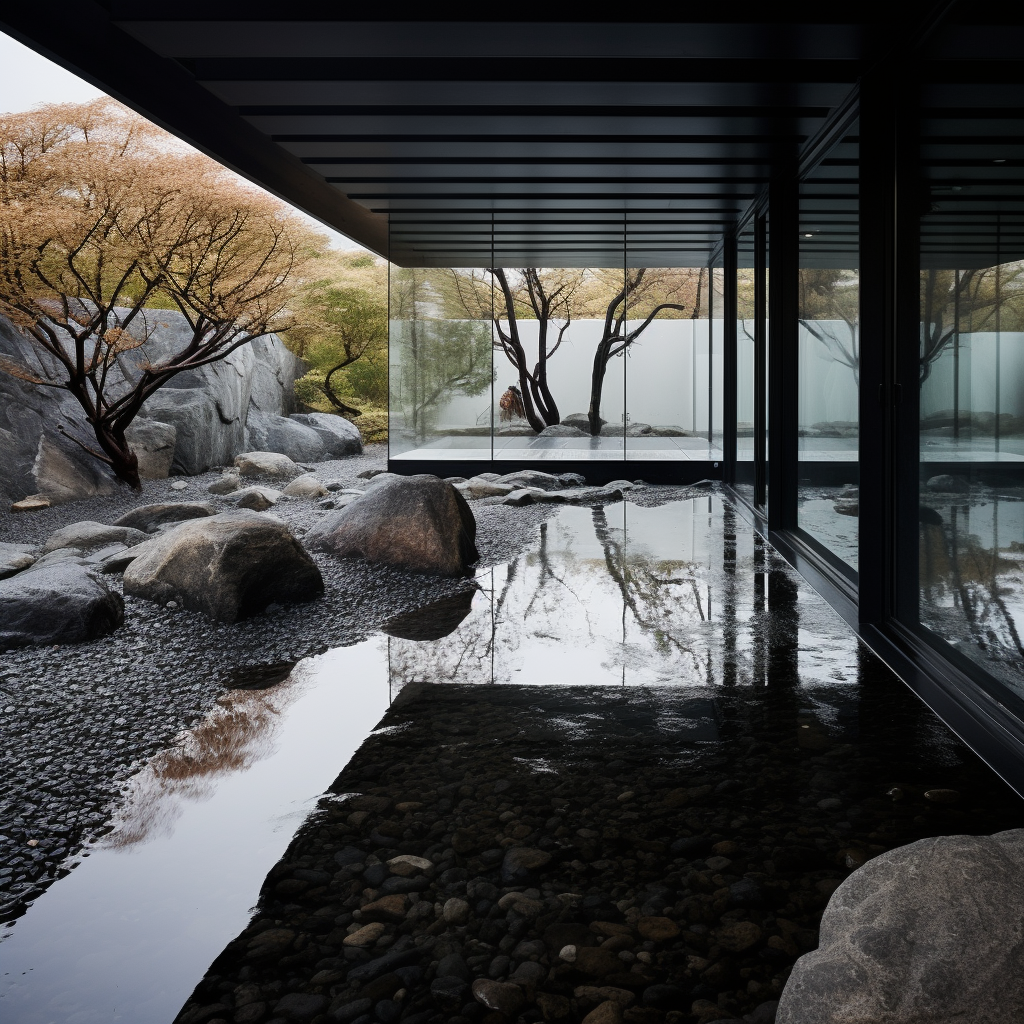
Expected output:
(439, 364)
(745, 330)
(550, 363)
(829, 351)
(970, 369)
(716, 341)
(668, 372)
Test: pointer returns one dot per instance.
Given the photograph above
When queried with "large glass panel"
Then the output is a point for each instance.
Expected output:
(667, 371)
(716, 325)
(439, 356)
(829, 351)
(558, 336)
(745, 317)
(970, 367)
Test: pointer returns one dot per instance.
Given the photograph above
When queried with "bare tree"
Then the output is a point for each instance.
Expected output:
(105, 216)
(617, 338)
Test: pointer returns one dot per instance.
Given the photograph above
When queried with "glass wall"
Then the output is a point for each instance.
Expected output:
(829, 351)
(440, 378)
(970, 369)
(526, 363)
(746, 314)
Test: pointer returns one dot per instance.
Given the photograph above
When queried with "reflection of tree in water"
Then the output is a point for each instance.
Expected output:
(647, 588)
(963, 579)
(237, 733)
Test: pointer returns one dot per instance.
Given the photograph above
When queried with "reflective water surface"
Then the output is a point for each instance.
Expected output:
(682, 600)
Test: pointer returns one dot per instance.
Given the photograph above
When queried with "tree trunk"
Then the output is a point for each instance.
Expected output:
(597, 387)
(345, 410)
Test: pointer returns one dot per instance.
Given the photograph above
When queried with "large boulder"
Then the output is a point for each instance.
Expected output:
(59, 603)
(153, 443)
(930, 933)
(88, 536)
(229, 566)
(207, 409)
(420, 523)
(272, 464)
(283, 434)
(149, 517)
(340, 436)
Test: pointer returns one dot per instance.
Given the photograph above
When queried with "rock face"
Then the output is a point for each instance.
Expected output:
(229, 566)
(415, 522)
(59, 603)
(927, 932)
(287, 436)
(205, 413)
(340, 436)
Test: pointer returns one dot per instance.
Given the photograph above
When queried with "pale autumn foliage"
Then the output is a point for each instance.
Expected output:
(102, 215)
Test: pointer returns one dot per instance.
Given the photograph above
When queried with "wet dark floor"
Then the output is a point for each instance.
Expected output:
(694, 747)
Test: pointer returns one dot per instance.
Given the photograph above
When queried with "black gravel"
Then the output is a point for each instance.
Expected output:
(76, 722)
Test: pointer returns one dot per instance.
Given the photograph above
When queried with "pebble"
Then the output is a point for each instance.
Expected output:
(365, 936)
(496, 995)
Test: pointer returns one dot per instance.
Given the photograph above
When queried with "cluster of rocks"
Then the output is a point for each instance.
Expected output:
(511, 854)
(231, 565)
(78, 724)
(200, 419)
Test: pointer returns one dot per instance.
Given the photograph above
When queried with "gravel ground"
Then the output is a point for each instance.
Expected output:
(588, 855)
(77, 721)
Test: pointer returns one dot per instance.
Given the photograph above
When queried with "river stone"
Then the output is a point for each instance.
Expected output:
(299, 1006)
(521, 863)
(738, 936)
(945, 483)
(498, 995)
(271, 464)
(932, 931)
(532, 478)
(339, 436)
(608, 1012)
(563, 430)
(477, 488)
(229, 566)
(153, 443)
(14, 558)
(415, 522)
(59, 603)
(226, 483)
(580, 420)
(365, 936)
(305, 486)
(657, 929)
(597, 961)
(87, 536)
(257, 499)
(148, 517)
(31, 503)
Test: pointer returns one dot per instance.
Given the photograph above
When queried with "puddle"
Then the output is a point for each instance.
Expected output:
(125, 935)
(682, 596)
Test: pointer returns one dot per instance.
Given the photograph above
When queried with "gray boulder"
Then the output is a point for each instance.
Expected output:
(153, 443)
(59, 603)
(340, 436)
(225, 483)
(229, 566)
(258, 499)
(532, 478)
(563, 430)
(419, 522)
(208, 409)
(305, 486)
(948, 484)
(283, 434)
(931, 932)
(580, 420)
(148, 517)
(15, 558)
(272, 464)
(88, 536)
